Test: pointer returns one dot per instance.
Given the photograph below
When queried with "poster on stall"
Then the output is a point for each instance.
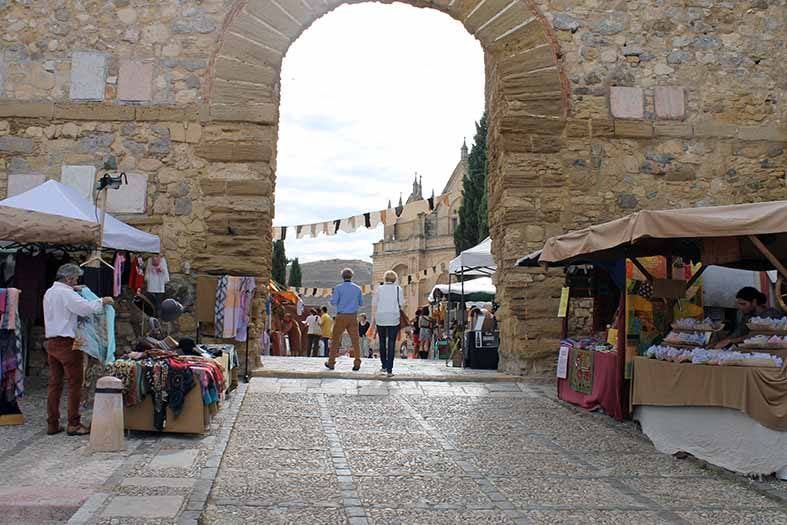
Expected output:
(562, 363)
(563, 308)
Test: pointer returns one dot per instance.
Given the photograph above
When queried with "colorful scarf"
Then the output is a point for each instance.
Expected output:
(221, 300)
(247, 287)
(95, 334)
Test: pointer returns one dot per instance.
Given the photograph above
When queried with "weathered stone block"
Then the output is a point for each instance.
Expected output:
(135, 81)
(19, 108)
(167, 113)
(131, 197)
(213, 187)
(769, 133)
(231, 151)
(94, 111)
(81, 178)
(627, 102)
(88, 76)
(713, 128)
(628, 128)
(602, 128)
(248, 187)
(261, 113)
(9, 144)
(21, 182)
(229, 69)
(670, 102)
(674, 129)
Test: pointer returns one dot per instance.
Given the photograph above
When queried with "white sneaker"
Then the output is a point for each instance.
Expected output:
(382, 370)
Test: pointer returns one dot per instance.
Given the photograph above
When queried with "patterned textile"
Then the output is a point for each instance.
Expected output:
(92, 371)
(580, 375)
(128, 372)
(232, 307)
(95, 334)
(247, 287)
(12, 374)
(221, 301)
(180, 381)
(156, 381)
(8, 366)
(120, 261)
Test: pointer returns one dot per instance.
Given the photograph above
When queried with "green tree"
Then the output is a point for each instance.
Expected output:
(279, 263)
(296, 277)
(473, 224)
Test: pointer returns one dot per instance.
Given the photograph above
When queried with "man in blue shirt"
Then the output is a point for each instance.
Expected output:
(348, 299)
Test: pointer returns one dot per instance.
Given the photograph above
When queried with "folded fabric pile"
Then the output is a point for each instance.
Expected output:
(702, 356)
(689, 323)
(765, 341)
(595, 344)
(687, 338)
(766, 323)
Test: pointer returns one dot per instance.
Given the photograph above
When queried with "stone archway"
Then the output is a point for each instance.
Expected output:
(527, 100)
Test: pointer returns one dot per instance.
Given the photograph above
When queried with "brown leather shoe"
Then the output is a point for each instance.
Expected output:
(80, 430)
(51, 431)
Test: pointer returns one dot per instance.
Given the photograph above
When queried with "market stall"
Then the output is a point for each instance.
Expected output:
(665, 353)
(41, 229)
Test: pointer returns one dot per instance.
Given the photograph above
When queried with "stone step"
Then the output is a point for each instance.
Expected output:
(40, 504)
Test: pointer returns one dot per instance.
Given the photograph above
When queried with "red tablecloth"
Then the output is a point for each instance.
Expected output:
(607, 391)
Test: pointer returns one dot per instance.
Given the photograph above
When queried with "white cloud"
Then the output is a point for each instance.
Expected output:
(371, 93)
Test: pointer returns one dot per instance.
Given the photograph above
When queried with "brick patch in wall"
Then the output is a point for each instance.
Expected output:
(88, 75)
(135, 81)
(627, 102)
(81, 178)
(21, 182)
(131, 197)
(670, 102)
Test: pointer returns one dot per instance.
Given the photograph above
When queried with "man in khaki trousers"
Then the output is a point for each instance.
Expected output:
(347, 298)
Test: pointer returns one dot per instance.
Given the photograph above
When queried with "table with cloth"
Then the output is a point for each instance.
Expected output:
(594, 381)
(731, 416)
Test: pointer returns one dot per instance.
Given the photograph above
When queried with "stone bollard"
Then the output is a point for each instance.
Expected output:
(106, 429)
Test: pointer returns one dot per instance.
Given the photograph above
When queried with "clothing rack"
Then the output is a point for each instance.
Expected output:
(10, 414)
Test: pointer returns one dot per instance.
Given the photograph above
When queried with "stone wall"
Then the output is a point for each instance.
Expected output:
(596, 109)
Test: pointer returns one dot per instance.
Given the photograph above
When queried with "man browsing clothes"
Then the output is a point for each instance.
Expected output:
(62, 306)
(348, 299)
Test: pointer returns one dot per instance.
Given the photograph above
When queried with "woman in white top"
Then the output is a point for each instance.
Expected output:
(389, 300)
(312, 324)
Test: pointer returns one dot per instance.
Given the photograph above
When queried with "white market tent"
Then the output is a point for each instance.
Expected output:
(58, 214)
(474, 261)
(481, 285)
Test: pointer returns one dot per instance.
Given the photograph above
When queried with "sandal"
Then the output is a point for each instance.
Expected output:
(81, 430)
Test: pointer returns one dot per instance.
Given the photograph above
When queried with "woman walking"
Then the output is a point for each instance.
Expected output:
(425, 333)
(388, 304)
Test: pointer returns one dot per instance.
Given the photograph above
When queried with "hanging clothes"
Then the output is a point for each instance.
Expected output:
(120, 262)
(30, 276)
(95, 334)
(232, 307)
(100, 279)
(221, 301)
(136, 278)
(12, 373)
(247, 287)
(156, 274)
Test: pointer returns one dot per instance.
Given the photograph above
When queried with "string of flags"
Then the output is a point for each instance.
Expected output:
(404, 281)
(369, 220)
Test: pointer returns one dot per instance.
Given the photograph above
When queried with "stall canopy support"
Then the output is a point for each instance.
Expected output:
(642, 269)
(696, 276)
(768, 254)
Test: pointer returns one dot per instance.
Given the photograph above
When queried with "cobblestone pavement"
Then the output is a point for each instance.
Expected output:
(159, 478)
(405, 370)
(338, 451)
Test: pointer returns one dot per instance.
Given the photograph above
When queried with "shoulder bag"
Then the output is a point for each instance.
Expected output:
(404, 321)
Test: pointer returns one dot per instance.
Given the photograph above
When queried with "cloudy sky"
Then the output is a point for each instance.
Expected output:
(371, 94)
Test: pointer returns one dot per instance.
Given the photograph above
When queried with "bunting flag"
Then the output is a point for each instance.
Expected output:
(404, 281)
(370, 219)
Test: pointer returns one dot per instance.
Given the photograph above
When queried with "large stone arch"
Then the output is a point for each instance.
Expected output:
(526, 91)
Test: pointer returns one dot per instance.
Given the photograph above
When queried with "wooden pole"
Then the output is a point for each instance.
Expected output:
(768, 254)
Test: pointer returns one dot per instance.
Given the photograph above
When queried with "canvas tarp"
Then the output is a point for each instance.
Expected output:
(475, 261)
(482, 285)
(58, 214)
(655, 232)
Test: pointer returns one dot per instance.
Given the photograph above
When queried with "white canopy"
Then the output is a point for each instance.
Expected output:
(480, 285)
(56, 213)
(475, 261)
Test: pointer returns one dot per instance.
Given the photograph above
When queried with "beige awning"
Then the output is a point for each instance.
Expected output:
(685, 232)
(26, 226)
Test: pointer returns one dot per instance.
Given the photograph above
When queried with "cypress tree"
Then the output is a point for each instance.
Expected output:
(473, 223)
(296, 278)
(279, 263)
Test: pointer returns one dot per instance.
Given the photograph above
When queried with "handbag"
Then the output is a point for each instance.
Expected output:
(404, 321)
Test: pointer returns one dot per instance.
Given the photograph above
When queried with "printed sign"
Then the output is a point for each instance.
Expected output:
(563, 309)
(562, 363)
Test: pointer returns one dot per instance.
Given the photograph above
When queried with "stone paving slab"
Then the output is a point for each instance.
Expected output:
(143, 507)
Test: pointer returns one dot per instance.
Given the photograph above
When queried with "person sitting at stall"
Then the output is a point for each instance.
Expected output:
(751, 303)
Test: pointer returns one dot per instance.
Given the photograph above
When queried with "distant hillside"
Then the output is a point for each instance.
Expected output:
(325, 274)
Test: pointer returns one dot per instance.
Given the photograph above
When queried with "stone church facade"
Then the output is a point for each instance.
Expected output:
(421, 241)
(596, 109)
